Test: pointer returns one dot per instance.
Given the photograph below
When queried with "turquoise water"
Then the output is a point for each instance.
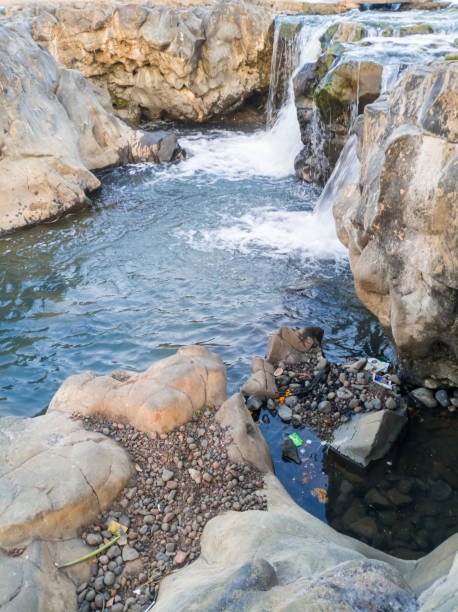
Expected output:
(205, 251)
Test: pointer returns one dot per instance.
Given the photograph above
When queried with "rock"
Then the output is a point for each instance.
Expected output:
(399, 499)
(365, 527)
(440, 490)
(294, 345)
(166, 475)
(325, 406)
(441, 396)
(109, 578)
(54, 477)
(159, 399)
(180, 557)
(322, 364)
(384, 222)
(344, 393)
(291, 401)
(390, 403)
(368, 437)
(195, 475)
(254, 403)
(424, 396)
(129, 554)
(289, 451)
(189, 63)
(262, 380)
(248, 445)
(285, 413)
(375, 499)
(358, 365)
(45, 166)
(94, 539)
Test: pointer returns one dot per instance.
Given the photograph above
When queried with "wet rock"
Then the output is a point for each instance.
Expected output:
(294, 346)
(365, 527)
(375, 499)
(254, 403)
(442, 397)
(425, 397)
(289, 451)
(399, 499)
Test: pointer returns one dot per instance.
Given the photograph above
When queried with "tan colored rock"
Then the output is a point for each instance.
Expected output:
(53, 132)
(292, 345)
(158, 62)
(248, 444)
(163, 397)
(399, 221)
(262, 381)
(54, 477)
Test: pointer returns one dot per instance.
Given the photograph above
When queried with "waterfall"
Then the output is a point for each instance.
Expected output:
(345, 173)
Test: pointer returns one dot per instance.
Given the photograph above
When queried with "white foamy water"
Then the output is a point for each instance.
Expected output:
(277, 233)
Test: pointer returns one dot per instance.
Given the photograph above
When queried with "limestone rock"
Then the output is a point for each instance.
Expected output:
(262, 381)
(248, 444)
(399, 220)
(156, 61)
(54, 477)
(54, 131)
(294, 346)
(368, 437)
(163, 397)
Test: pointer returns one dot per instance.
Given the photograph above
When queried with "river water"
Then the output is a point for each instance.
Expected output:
(219, 250)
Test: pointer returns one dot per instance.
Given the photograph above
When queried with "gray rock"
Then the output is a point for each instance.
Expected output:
(424, 396)
(390, 403)
(166, 475)
(325, 406)
(285, 413)
(291, 401)
(442, 397)
(344, 394)
(99, 583)
(254, 403)
(289, 451)
(368, 437)
(129, 554)
(93, 539)
(440, 490)
(109, 578)
(322, 364)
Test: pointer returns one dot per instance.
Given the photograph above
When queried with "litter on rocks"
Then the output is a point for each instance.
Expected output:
(296, 439)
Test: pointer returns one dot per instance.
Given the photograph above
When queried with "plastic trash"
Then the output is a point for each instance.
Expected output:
(296, 439)
(116, 528)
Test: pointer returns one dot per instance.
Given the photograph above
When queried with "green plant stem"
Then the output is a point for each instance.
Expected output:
(89, 555)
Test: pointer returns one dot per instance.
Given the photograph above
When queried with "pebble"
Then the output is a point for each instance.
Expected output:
(291, 401)
(254, 403)
(94, 539)
(166, 475)
(344, 394)
(325, 406)
(425, 397)
(390, 403)
(285, 413)
(195, 475)
(322, 364)
(129, 554)
(442, 397)
(109, 578)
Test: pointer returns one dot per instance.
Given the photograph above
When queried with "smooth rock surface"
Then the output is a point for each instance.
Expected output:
(262, 381)
(294, 346)
(159, 399)
(368, 437)
(54, 131)
(54, 477)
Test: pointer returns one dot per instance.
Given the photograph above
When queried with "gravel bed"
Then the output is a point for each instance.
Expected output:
(182, 479)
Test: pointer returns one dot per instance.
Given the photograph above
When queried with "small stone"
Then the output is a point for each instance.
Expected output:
(440, 491)
(285, 413)
(325, 406)
(171, 484)
(291, 401)
(425, 397)
(129, 553)
(166, 475)
(359, 365)
(358, 409)
(93, 539)
(395, 379)
(442, 397)
(149, 519)
(207, 477)
(170, 547)
(254, 403)
(377, 404)
(180, 557)
(195, 475)
(271, 405)
(331, 395)
(430, 383)
(109, 578)
(353, 403)
(99, 583)
(99, 601)
(390, 403)
(90, 595)
(322, 364)
(289, 451)
(344, 394)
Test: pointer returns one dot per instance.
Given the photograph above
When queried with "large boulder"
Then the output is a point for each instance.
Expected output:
(294, 345)
(158, 62)
(163, 397)
(54, 477)
(53, 132)
(399, 221)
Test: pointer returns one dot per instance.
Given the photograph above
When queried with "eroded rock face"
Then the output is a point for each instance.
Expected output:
(159, 62)
(163, 397)
(400, 221)
(54, 475)
(53, 131)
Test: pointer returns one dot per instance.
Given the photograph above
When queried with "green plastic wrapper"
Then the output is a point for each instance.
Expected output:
(296, 439)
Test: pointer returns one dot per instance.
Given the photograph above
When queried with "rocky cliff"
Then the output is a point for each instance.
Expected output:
(53, 131)
(400, 221)
(158, 62)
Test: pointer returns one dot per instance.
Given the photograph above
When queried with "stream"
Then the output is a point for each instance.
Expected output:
(220, 250)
